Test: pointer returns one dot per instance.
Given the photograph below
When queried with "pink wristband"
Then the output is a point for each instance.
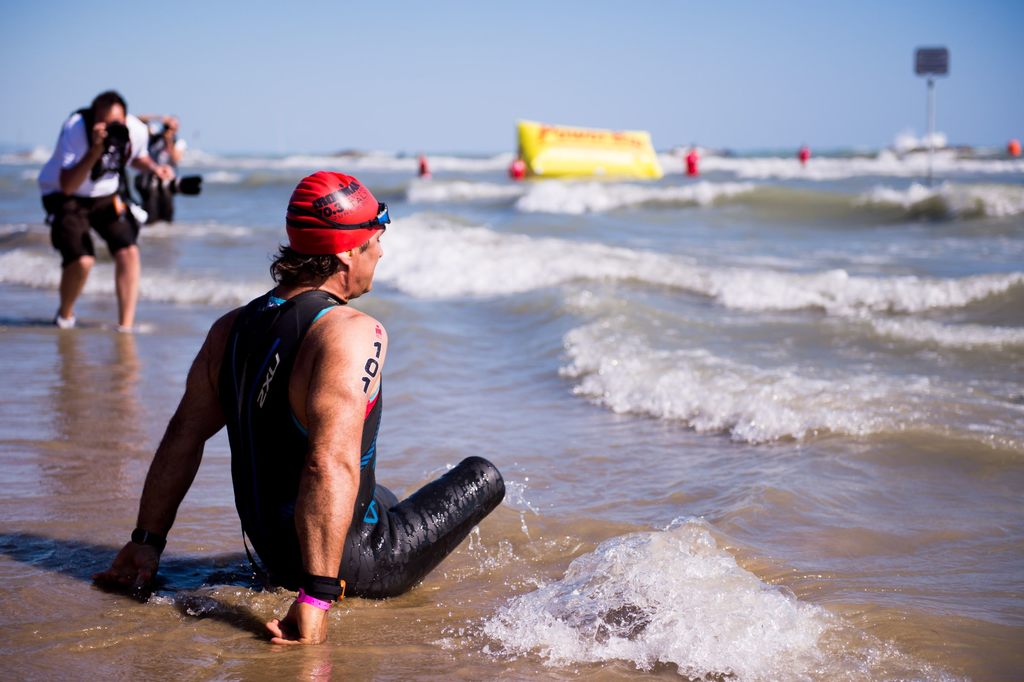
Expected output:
(304, 598)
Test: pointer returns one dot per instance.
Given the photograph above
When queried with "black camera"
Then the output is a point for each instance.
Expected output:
(115, 151)
(190, 184)
(117, 135)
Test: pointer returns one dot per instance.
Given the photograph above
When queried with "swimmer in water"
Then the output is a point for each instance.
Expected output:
(295, 376)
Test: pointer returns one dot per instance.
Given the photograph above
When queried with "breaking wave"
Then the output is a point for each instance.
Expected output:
(30, 269)
(479, 262)
(437, 191)
(594, 197)
(617, 369)
(949, 336)
(885, 163)
(674, 597)
(950, 200)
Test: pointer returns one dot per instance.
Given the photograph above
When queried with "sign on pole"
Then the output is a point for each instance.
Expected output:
(931, 62)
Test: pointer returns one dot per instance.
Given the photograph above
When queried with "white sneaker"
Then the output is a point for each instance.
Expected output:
(64, 322)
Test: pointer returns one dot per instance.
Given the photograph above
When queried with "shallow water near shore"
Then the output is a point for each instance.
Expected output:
(768, 424)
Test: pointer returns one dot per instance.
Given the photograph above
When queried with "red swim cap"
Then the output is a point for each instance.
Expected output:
(332, 212)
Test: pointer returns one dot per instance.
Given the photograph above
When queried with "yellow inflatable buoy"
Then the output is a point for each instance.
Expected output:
(562, 152)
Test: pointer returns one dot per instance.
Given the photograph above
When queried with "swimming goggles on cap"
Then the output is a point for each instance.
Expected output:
(380, 221)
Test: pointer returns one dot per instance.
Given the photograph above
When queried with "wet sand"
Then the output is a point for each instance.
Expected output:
(76, 441)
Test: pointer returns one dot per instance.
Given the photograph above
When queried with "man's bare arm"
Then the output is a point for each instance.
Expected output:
(198, 418)
(72, 178)
(148, 165)
(335, 408)
(176, 462)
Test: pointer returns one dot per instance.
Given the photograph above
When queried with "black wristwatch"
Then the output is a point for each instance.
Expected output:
(324, 588)
(144, 537)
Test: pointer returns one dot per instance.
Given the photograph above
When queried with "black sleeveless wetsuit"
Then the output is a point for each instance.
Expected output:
(390, 545)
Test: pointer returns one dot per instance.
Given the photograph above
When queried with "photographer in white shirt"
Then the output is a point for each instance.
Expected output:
(80, 187)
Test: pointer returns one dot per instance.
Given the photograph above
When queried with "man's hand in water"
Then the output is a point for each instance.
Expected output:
(133, 568)
(304, 624)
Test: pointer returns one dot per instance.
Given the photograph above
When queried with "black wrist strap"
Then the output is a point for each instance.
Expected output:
(144, 537)
(324, 587)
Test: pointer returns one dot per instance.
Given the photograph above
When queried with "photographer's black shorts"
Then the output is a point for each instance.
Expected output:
(71, 218)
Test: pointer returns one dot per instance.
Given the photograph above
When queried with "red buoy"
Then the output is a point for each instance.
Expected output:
(517, 169)
(692, 161)
(804, 154)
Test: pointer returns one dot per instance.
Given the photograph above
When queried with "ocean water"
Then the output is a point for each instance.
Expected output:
(765, 424)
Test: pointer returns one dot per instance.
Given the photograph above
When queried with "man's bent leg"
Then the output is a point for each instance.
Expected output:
(127, 269)
(413, 536)
(72, 280)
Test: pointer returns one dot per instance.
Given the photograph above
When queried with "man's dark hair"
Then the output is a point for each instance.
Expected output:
(292, 268)
(296, 269)
(107, 99)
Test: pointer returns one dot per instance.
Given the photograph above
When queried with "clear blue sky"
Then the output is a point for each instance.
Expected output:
(454, 76)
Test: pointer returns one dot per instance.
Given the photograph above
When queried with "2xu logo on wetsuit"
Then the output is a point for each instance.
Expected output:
(265, 389)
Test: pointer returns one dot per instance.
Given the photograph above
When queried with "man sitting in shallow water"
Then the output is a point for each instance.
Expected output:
(295, 375)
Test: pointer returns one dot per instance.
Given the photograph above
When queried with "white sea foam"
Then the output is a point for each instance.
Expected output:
(956, 200)
(616, 368)
(436, 191)
(949, 336)
(668, 597)
(223, 177)
(592, 197)
(574, 198)
(839, 293)
(464, 164)
(907, 141)
(26, 268)
(885, 163)
(205, 230)
(11, 229)
(37, 156)
(476, 261)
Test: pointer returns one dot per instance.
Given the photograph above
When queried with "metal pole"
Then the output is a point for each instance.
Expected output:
(931, 125)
